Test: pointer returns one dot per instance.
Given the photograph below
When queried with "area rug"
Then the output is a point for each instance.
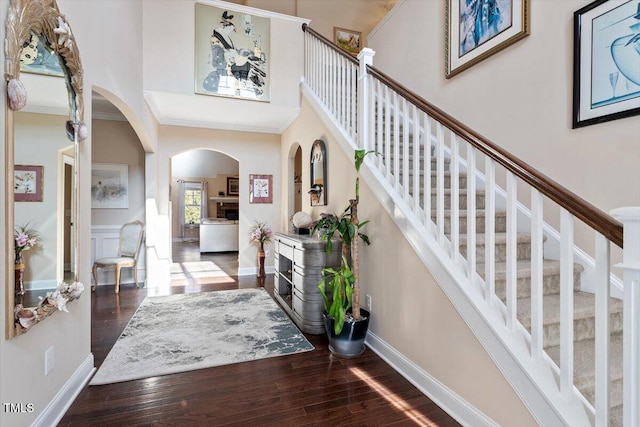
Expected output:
(178, 333)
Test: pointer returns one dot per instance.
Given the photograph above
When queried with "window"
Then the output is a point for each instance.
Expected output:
(192, 204)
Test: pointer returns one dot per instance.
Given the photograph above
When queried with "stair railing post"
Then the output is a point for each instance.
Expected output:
(364, 98)
(630, 218)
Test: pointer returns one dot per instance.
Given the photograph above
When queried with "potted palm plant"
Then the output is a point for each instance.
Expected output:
(346, 323)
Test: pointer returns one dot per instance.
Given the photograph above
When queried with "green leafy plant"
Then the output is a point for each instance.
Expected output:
(343, 283)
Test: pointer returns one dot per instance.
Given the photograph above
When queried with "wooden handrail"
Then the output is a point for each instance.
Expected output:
(330, 44)
(601, 222)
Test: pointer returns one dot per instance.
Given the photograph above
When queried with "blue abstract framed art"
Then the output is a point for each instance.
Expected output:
(476, 29)
(606, 67)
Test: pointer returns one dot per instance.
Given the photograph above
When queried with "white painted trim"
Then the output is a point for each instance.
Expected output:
(55, 410)
(453, 404)
(217, 125)
(254, 11)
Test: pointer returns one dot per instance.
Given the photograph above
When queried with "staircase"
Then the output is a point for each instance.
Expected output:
(518, 278)
(584, 303)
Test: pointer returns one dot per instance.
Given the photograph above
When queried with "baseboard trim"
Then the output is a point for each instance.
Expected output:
(55, 410)
(463, 412)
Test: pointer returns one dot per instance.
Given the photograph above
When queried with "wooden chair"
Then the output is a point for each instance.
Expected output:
(130, 240)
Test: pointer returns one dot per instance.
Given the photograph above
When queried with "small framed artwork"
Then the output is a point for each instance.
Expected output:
(233, 186)
(349, 40)
(477, 29)
(606, 62)
(28, 183)
(109, 186)
(260, 188)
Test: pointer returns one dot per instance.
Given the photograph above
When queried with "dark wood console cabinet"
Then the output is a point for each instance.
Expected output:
(299, 261)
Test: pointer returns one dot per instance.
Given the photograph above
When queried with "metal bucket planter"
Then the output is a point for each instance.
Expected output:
(350, 342)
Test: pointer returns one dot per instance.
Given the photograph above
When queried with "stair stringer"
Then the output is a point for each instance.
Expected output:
(536, 384)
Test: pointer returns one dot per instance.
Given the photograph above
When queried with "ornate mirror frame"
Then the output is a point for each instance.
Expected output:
(43, 18)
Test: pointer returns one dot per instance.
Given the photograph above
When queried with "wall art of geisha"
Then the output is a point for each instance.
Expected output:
(231, 53)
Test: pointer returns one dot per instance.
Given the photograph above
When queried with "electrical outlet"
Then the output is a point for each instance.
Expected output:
(48, 361)
(368, 303)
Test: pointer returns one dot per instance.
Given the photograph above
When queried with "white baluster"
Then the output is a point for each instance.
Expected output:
(366, 58)
(512, 251)
(416, 160)
(405, 149)
(630, 217)
(471, 213)
(354, 102)
(489, 229)
(387, 133)
(454, 193)
(603, 343)
(426, 167)
(396, 142)
(537, 274)
(379, 122)
(566, 302)
(440, 182)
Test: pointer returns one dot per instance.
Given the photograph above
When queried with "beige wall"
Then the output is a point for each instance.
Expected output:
(115, 142)
(409, 310)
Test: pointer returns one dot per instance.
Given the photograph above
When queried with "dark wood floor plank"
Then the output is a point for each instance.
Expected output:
(307, 389)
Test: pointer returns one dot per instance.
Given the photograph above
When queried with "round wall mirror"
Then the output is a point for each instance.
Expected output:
(44, 123)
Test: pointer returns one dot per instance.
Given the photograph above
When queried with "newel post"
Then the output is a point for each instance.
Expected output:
(364, 98)
(630, 218)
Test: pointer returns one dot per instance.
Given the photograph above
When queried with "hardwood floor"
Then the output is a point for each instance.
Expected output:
(313, 388)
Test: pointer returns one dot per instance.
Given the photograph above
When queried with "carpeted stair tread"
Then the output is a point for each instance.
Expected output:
(549, 267)
(584, 362)
(523, 247)
(583, 308)
(583, 317)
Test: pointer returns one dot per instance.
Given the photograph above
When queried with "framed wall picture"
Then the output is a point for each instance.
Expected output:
(231, 53)
(28, 183)
(476, 29)
(109, 186)
(233, 186)
(349, 40)
(606, 62)
(260, 188)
